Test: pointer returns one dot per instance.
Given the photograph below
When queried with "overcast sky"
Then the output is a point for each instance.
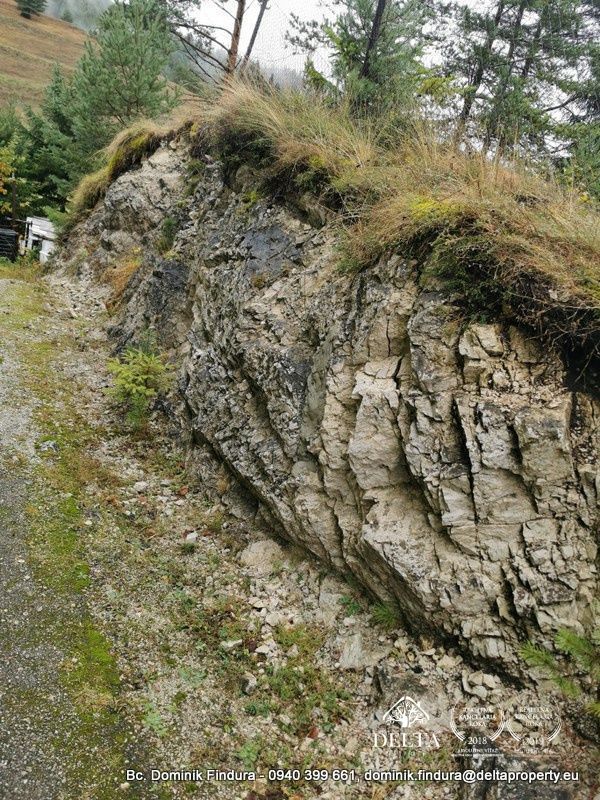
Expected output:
(270, 48)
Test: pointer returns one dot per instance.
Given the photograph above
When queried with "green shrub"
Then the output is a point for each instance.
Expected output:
(250, 751)
(168, 232)
(139, 376)
(251, 197)
(131, 147)
(387, 615)
(584, 658)
(351, 605)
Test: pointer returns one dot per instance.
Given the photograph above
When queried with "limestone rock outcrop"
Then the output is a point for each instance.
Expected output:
(449, 467)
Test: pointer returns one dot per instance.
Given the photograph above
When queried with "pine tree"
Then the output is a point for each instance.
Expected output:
(523, 65)
(30, 8)
(54, 159)
(117, 81)
(584, 655)
(582, 125)
(375, 45)
(119, 77)
(40, 157)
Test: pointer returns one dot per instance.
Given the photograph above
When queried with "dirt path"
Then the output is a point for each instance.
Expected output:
(141, 625)
(58, 730)
(35, 711)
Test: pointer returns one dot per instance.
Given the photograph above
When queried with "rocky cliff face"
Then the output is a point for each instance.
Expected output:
(449, 468)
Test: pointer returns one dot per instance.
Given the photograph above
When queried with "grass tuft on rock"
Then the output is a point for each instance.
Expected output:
(507, 242)
(125, 152)
(90, 190)
(503, 241)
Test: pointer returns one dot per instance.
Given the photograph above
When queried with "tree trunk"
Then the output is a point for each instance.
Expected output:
(232, 56)
(377, 19)
(532, 50)
(473, 87)
(492, 126)
(259, 19)
(14, 201)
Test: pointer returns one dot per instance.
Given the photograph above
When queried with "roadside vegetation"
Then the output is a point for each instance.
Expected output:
(504, 239)
(406, 186)
(503, 80)
(126, 151)
(140, 375)
(576, 671)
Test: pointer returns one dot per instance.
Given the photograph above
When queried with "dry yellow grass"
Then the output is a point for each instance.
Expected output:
(119, 276)
(28, 50)
(298, 130)
(506, 241)
(125, 151)
(509, 240)
(519, 219)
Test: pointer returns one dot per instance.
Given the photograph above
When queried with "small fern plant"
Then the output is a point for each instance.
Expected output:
(139, 375)
(584, 654)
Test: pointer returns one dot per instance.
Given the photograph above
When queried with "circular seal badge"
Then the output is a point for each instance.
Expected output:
(477, 726)
(533, 726)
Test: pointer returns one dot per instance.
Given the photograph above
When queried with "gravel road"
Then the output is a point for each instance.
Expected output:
(35, 713)
(44, 751)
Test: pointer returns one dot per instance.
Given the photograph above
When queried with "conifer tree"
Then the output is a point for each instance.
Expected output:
(53, 157)
(524, 66)
(118, 80)
(376, 47)
(119, 77)
(30, 8)
(584, 656)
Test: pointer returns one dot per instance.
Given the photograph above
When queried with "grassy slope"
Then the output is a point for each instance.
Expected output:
(504, 241)
(28, 50)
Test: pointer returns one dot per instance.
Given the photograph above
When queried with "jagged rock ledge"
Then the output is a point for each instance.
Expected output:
(449, 468)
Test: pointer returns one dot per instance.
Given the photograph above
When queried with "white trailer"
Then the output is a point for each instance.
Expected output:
(41, 236)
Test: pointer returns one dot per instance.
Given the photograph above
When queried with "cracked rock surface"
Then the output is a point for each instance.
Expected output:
(448, 467)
